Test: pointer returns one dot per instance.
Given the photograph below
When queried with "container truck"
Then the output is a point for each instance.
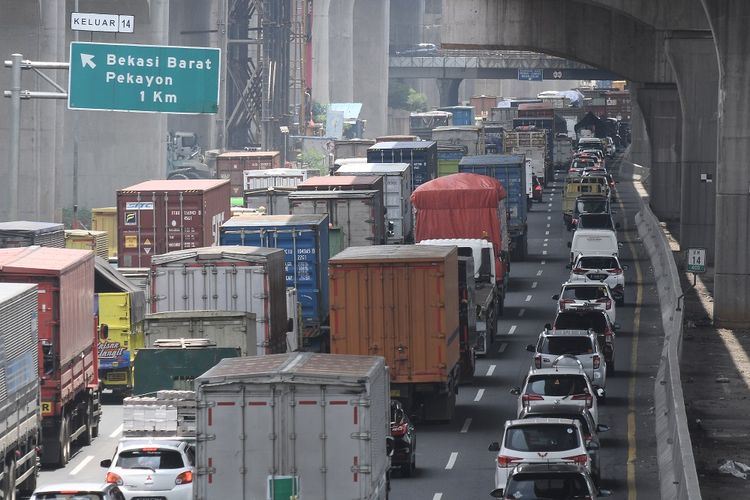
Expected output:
(304, 239)
(235, 329)
(563, 152)
(70, 393)
(401, 302)
(105, 219)
(469, 136)
(422, 124)
(462, 115)
(165, 215)
(503, 117)
(23, 233)
(397, 195)
(300, 425)
(532, 144)
(510, 171)
(19, 401)
(352, 148)
(96, 241)
(421, 155)
(231, 165)
(270, 201)
(276, 177)
(225, 278)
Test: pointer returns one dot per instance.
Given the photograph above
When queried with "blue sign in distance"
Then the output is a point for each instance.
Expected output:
(146, 78)
(532, 75)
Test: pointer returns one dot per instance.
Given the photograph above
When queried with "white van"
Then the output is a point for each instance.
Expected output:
(593, 242)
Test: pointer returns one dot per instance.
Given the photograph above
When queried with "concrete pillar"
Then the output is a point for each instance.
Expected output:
(406, 21)
(341, 50)
(320, 51)
(728, 19)
(448, 89)
(660, 106)
(371, 25)
(640, 148)
(696, 71)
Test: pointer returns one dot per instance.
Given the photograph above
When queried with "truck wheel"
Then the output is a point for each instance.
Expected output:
(64, 456)
(87, 436)
(9, 480)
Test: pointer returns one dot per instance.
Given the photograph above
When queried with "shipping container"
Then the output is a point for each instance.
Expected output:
(235, 329)
(503, 117)
(357, 218)
(96, 241)
(468, 136)
(421, 155)
(353, 148)
(231, 164)
(462, 115)
(276, 177)
(105, 219)
(448, 159)
(536, 110)
(396, 138)
(328, 415)
(304, 239)
(269, 201)
(422, 124)
(160, 216)
(397, 195)
(483, 105)
(225, 278)
(22, 233)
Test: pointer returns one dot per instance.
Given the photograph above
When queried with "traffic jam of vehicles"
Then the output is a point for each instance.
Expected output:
(335, 310)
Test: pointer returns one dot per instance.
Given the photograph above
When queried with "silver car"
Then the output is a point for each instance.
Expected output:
(602, 269)
(577, 348)
(586, 295)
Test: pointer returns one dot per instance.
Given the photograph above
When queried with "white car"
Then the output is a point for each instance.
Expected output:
(586, 295)
(146, 468)
(78, 491)
(539, 440)
(577, 348)
(601, 269)
(564, 388)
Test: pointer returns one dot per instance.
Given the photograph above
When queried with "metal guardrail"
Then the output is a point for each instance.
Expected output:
(484, 59)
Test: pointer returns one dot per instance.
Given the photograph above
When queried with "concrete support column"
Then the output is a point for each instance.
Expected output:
(341, 50)
(660, 106)
(696, 71)
(448, 89)
(640, 148)
(371, 24)
(320, 51)
(728, 19)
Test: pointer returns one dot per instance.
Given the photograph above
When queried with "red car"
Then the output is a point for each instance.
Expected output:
(536, 192)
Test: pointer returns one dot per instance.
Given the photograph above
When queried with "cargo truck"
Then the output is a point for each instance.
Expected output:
(422, 155)
(448, 158)
(299, 425)
(70, 393)
(235, 329)
(270, 201)
(401, 302)
(276, 177)
(105, 219)
(231, 165)
(532, 144)
(96, 241)
(352, 148)
(19, 402)
(470, 137)
(23, 233)
(510, 171)
(225, 278)
(563, 152)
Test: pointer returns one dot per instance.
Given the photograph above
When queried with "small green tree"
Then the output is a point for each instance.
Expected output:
(416, 101)
(402, 96)
(312, 158)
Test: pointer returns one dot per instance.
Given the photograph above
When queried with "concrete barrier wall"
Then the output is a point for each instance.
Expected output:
(677, 473)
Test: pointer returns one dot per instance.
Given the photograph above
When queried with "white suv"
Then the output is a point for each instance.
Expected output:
(586, 295)
(601, 269)
(577, 348)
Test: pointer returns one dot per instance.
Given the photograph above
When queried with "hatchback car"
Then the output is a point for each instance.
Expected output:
(539, 440)
(571, 348)
(551, 482)
(78, 491)
(586, 295)
(153, 468)
(602, 269)
(594, 320)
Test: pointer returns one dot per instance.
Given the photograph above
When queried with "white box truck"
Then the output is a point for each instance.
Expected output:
(300, 425)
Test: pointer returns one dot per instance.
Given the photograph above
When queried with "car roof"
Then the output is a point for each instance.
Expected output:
(82, 486)
(130, 443)
(541, 421)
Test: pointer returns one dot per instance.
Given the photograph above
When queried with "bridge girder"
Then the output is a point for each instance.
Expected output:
(687, 15)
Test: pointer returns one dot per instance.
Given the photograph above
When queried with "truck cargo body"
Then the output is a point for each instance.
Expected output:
(304, 239)
(20, 411)
(483, 105)
(22, 233)
(274, 200)
(105, 219)
(532, 144)
(563, 152)
(421, 155)
(397, 195)
(232, 164)
(448, 159)
(358, 216)
(421, 125)
(235, 329)
(469, 137)
(354, 148)
(462, 115)
(161, 216)
(379, 306)
(510, 171)
(276, 177)
(67, 342)
(225, 278)
(300, 425)
(503, 117)
(96, 241)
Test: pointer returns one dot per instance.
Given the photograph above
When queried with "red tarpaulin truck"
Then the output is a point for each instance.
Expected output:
(70, 390)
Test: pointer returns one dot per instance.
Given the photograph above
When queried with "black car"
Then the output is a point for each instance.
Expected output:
(551, 481)
(404, 440)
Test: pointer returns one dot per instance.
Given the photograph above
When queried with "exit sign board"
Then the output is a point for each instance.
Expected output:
(146, 78)
(696, 260)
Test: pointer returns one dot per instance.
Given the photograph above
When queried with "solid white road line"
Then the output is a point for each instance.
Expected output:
(83, 464)
(465, 428)
(512, 330)
(116, 432)
(478, 397)
(502, 347)
(539, 272)
(451, 461)
(528, 298)
(491, 369)
(437, 496)
(521, 312)
(534, 284)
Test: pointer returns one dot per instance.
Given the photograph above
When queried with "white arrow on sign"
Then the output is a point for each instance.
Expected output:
(87, 60)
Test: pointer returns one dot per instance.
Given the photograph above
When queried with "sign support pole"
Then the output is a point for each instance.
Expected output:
(15, 133)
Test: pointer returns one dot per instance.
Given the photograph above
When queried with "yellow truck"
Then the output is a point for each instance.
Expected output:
(120, 309)
(575, 186)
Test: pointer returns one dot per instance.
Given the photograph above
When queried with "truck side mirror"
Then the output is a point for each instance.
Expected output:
(497, 493)
(104, 331)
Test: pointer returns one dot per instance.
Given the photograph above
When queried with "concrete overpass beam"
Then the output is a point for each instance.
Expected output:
(728, 19)
(341, 50)
(320, 52)
(371, 26)
(696, 71)
(660, 106)
(448, 89)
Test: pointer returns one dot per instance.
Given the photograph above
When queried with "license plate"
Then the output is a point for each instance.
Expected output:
(395, 393)
(598, 277)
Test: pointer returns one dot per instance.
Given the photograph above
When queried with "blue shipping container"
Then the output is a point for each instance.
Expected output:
(510, 170)
(304, 239)
(422, 155)
(462, 115)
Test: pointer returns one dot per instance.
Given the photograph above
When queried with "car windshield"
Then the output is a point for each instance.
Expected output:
(69, 496)
(547, 487)
(557, 345)
(597, 263)
(556, 385)
(584, 293)
(571, 416)
(581, 163)
(595, 221)
(595, 320)
(150, 458)
(542, 437)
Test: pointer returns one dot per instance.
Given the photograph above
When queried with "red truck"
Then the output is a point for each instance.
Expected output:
(70, 392)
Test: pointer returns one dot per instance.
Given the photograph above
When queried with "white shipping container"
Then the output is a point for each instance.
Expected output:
(468, 136)
(225, 278)
(398, 188)
(312, 426)
(276, 177)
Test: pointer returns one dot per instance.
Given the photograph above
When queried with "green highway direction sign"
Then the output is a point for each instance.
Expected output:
(147, 78)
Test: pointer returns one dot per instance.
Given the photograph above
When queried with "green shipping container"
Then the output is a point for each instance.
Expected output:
(447, 167)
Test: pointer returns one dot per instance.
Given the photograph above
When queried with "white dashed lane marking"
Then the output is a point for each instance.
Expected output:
(512, 330)
(539, 272)
(534, 284)
(502, 347)
(451, 462)
(465, 428)
(521, 313)
(83, 464)
(478, 397)
(491, 369)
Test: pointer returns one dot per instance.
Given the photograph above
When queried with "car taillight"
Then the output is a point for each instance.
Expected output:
(538, 361)
(565, 301)
(608, 336)
(607, 303)
(597, 361)
(579, 459)
(579, 270)
(399, 430)
(587, 397)
(531, 397)
(505, 461)
(113, 478)
(616, 270)
(184, 478)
